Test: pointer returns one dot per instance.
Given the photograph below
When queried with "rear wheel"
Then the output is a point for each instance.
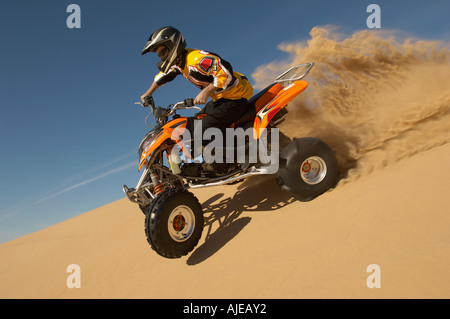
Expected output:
(308, 168)
(174, 223)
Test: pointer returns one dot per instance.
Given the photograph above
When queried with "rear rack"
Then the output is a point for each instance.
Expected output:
(295, 73)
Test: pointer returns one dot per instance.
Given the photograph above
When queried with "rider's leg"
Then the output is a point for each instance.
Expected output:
(222, 113)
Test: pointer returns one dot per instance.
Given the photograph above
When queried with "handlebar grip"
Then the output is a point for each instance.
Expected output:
(189, 102)
(148, 101)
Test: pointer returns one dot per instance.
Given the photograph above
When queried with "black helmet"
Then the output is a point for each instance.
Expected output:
(173, 40)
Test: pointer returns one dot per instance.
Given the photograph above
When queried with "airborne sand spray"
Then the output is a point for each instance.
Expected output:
(373, 98)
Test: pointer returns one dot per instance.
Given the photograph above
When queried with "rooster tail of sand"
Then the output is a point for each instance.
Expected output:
(373, 97)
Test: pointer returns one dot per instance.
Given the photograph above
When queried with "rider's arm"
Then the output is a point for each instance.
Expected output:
(150, 91)
(203, 96)
(218, 71)
(160, 80)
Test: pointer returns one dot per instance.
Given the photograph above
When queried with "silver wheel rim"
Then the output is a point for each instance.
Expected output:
(313, 170)
(181, 223)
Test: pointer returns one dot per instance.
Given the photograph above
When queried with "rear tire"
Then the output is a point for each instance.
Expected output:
(308, 168)
(174, 223)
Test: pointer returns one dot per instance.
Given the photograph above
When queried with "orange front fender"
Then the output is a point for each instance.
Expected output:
(171, 130)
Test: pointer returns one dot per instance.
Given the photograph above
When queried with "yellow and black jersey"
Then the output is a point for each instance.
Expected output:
(203, 68)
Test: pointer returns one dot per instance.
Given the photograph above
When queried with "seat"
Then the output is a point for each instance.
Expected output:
(257, 102)
(248, 116)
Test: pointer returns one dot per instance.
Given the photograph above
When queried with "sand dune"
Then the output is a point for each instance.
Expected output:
(383, 106)
(258, 243)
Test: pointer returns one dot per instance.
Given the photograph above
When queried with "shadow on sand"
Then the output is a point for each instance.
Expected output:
(259, 193)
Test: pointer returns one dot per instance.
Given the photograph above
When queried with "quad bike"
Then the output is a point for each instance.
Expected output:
(174, 218)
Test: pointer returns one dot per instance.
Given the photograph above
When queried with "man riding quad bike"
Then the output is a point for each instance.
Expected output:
(174, 163)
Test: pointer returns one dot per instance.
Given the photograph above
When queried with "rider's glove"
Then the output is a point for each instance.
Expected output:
(148, 101)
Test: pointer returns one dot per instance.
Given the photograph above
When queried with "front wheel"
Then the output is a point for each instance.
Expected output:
(308, 168)
(174, 224)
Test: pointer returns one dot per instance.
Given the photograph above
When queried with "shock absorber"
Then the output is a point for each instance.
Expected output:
(158, 186)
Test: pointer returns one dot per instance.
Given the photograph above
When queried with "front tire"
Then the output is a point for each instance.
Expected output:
(174, 224)
(308, 168)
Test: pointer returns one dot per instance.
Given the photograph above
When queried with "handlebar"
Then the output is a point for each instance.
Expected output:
(183, 105)
(148, 101)
(161, 114)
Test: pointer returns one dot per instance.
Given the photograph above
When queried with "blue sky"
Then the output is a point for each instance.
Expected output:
(69, 130)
